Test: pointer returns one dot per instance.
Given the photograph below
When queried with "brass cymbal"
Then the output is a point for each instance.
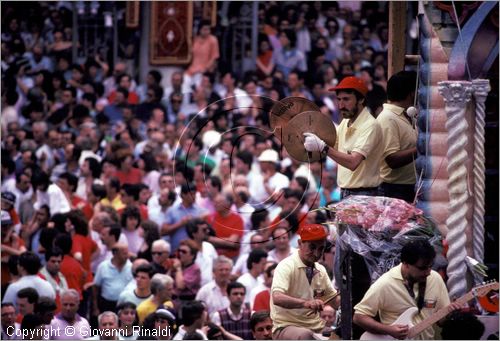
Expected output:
(284, 110)
(307, 122)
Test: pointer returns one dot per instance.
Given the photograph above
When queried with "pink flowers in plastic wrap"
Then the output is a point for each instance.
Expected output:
(378, 213)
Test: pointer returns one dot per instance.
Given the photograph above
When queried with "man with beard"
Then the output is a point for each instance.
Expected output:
(412, 283)
(358, 149)
(301, 288)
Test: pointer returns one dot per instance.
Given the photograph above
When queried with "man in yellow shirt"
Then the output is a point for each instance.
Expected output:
(113, 197)
(162, 288)
(358, 149)
(397, 168)
(301, 287)
(409, 284)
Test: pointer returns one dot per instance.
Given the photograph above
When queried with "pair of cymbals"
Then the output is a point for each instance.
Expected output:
(291, 117)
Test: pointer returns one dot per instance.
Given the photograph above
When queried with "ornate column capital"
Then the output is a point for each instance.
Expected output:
(455, 93)
(481, 88)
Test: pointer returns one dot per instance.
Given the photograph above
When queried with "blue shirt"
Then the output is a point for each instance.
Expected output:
(288, 59)
(111, 280)
(174, 215)
(114, 113)
(334, 196)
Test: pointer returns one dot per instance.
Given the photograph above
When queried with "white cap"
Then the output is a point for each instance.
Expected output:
(211, 139)
(165, 314)
(6, 218)
(269, 155)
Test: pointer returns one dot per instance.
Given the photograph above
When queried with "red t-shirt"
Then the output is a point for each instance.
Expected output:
(74, 273)
(225, 227)
(82, 205)
(262, 301)
(134, 176)
(87, 246)
(132, 97)
(14, 216)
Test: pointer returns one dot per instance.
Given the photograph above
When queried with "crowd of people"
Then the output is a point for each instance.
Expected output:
(128, 204)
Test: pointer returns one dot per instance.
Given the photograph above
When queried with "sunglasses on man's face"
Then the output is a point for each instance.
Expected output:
(422, 268)
(317, 247)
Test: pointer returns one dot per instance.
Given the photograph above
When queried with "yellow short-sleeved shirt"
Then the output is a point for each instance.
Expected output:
(117, 203)
(364, 136)
(398, 134)
(148, 306)
(389, 298)
(290, 278)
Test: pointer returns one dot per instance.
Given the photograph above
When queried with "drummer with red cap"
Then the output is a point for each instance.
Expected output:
(358, 149)
(301, 288)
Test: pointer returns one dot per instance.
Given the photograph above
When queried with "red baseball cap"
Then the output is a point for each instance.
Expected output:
(312, 232)
(353, 83)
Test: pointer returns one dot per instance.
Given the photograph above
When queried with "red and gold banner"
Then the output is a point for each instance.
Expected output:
(210, 11)
(171, 32)
(132, 14)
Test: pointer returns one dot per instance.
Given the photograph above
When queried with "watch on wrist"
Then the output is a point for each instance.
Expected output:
(324, 152)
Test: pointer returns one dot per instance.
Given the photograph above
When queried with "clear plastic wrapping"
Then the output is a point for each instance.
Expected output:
(378, 227)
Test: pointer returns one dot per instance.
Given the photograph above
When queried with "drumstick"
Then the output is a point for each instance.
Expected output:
(326, 302)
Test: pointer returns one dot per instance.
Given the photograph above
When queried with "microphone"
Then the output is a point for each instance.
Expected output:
(412, 112)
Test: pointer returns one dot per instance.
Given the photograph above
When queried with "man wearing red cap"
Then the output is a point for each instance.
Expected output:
(301, 288)
(358, 149)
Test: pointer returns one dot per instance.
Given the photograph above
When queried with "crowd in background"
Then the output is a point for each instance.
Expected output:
(165, 202)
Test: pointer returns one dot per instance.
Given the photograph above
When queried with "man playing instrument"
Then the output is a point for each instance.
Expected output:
(301, 288)
(412, 283)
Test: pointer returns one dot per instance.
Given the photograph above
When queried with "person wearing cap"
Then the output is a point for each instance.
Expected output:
(273, 181)
(358, 149)
(8, 204)
(8, 200)
(397, 168)
(164, 323)
(211, 140)
(301, 287)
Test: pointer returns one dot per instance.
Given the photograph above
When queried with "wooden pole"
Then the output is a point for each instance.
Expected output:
(397, 36)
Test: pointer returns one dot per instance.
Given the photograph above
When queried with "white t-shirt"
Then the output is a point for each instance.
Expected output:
(240, 267)
(54, 198)
(205, 260)
(182, 332)
(32, 281)
(278, 181)
(249, 282)
(130, 296)
(134, 240)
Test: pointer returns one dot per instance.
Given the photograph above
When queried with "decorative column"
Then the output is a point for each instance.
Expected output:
(456, 95)
(481, 87)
